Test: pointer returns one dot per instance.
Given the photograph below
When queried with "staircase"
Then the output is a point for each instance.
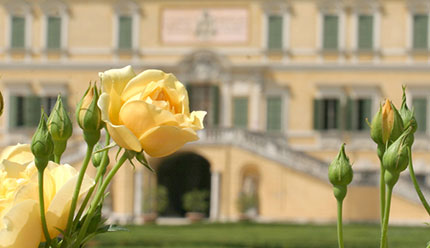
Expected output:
(276, 148)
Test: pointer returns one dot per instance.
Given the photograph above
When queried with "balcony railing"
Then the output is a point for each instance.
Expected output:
(277, 149)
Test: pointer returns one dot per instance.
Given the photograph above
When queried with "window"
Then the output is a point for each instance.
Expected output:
(53, 39)
(358, 110)
(420, 109)
(24, 111)
(240, 112)
(365, 32)
(275, 32)
(18, 32)
(205, 97)
(330, 32)
(274, 110)
(326, 114)
(420, 32)
(125, 32)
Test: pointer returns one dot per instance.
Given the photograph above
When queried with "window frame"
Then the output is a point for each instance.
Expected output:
(328, 92)
(282, 9)
(420, 92)
(132, 9)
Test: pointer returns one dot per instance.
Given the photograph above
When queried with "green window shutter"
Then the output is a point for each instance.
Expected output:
(337, 114)
(190, 96)
(350, 107)
(274, 113)
(18, 32)
(125, 32)
(275, 32)
(330, 32)
(32, 106)
(15, 111)
(420, 109)
(240, 112)
(366, 113)
(365, 32)
(318, 114)
(420, 35)
(215, 104)
(54, 33)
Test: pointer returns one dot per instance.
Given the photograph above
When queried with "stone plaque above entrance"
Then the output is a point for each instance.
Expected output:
(205, 25)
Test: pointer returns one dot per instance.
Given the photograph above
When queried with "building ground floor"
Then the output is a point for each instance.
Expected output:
(288, 185)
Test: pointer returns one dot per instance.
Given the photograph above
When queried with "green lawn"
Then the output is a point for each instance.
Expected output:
(261, 235)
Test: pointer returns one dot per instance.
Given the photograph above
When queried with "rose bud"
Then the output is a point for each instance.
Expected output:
(42, 145)
(88, 115)
(60, 127)
(340, 173)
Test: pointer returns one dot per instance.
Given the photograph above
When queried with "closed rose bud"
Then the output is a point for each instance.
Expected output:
(42, 145)
(396, 158)
(408, 118)
(340, 173)
(88, 115)
(376, 128)
(392, 123)
(60, 127)
(98, 157)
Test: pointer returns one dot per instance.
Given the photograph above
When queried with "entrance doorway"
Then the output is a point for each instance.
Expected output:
(180, 174)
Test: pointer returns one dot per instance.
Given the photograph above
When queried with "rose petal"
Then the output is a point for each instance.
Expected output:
(139, 117)
(164, 140)
(23, 227)
(58, 211)
(124, 137)
(19, 153)
(196, 118)
(116, 79)
(13, 169)
(138, 83)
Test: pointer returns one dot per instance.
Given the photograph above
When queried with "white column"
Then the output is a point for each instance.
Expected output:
(138, 194)
(285, 36)
(215, 195)
(254, 106)
(225, 104)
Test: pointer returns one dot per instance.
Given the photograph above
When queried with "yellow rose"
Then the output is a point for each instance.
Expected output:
(149, 111)
(20, 224)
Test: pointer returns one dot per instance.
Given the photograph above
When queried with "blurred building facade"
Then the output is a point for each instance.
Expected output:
(284, 84)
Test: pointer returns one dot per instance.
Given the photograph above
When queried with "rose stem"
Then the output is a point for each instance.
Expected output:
(99, 195)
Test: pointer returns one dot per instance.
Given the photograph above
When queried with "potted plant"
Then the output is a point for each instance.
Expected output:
(247, 205)
(195, 203)
(154, 203)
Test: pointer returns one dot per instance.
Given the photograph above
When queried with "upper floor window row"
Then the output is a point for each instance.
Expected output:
(20, 33)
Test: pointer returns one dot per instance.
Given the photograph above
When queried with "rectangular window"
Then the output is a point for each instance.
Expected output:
(17, 32)
(365, 32)
(48, 103)
(274, 113)
(420, 110)
(275, 32)
(125, 33)
(326, 114)
(330, 32)
(358, 110)
(420, 32)
(53, 34)
(24, 111)
(240, 112)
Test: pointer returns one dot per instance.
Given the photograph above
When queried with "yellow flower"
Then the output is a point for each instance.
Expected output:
(20, 224)
(149, 111)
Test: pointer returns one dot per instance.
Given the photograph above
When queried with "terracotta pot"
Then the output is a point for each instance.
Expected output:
(194, 216)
